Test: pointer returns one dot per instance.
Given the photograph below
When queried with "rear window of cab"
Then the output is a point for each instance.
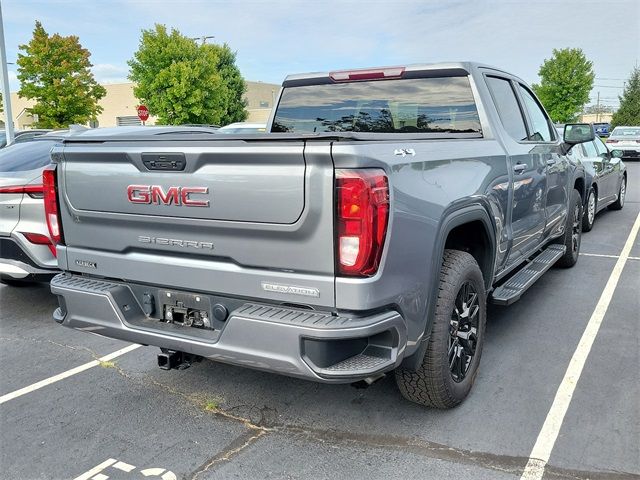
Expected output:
(417, 105)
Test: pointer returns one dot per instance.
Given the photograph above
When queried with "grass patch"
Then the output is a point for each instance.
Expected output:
(107, 364)
(211, 405)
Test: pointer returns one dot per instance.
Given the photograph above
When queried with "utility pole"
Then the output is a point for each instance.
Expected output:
(6, 94)
(598, 109)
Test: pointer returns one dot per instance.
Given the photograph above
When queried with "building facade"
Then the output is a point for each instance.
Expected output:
(119, 106)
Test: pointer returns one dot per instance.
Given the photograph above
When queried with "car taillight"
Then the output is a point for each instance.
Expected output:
(39, 239)
(34, 191)
(51, 208)
(362, 217)
(611, 141)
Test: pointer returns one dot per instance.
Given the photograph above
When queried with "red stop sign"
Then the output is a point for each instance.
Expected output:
(143, 113)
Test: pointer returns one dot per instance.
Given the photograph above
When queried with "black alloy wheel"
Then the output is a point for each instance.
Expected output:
(463, 331)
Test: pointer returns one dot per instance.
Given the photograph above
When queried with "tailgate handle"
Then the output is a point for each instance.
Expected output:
(170, 162)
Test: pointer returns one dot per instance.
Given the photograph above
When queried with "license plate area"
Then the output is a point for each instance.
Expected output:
(187, 310)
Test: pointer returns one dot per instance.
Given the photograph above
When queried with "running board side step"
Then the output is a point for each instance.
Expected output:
(511, 290)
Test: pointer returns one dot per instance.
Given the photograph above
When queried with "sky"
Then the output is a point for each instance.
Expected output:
(278, 37)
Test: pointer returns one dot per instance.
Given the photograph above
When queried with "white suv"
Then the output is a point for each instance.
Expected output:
(26, 251)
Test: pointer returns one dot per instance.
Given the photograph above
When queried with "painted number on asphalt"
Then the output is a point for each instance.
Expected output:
(98, 472)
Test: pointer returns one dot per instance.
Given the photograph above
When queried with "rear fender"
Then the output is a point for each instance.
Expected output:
(468, 214)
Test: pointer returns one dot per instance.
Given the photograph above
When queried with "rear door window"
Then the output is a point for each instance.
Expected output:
(417, 105)
(25, 156)
(508, 108)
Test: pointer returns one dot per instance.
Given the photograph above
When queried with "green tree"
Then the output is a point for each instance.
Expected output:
(566, 80)
(629, 111)
(183, 82)
(55, 72)
(234, 85)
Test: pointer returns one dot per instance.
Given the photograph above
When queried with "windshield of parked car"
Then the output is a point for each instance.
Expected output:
(26, 156)
(626, 132)
(421, 105)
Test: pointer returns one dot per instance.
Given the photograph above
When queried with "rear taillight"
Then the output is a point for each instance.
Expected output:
(39, 239)
(51, 208)
(34, 191)
(611, 141)
(362, 217)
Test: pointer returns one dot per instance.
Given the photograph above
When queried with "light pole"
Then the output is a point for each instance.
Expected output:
(6, 94)
(203, 38)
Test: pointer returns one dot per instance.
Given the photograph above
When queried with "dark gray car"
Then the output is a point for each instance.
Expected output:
(606, 176)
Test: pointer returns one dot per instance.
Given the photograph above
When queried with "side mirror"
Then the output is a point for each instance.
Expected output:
(617, 153)
(575, 133)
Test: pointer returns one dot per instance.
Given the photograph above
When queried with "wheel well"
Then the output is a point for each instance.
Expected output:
(473, 238)
(579, 185)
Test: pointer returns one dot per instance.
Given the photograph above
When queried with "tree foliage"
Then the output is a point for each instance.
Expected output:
(55, 71)
(629, 111)
(183, 82)
(566, 80)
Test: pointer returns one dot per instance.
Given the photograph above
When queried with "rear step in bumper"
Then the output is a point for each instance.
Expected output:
(307, 344)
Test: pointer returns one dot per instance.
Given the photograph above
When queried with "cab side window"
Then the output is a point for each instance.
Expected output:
(540, 125)
(508, 109)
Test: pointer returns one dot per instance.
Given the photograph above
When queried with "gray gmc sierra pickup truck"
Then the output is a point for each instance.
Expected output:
(363, 234)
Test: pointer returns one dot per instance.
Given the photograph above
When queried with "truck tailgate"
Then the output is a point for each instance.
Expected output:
(245, 183)
(246, 218)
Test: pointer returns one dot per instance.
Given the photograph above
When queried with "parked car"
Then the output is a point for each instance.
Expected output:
(626, 139)
(606, 176)
(602, 128)
(26, 251)
(21, 136)
(364, 235)
(243, 127)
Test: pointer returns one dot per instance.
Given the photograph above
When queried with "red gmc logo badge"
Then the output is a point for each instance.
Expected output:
(179, 196)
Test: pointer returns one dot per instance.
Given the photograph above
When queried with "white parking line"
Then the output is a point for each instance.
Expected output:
(547, 437)
(67, 374)
(607, 256)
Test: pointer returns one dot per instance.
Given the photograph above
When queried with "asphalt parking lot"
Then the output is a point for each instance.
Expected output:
(126, 419)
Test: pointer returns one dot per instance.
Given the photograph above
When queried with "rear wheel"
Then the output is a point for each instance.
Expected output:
(450, 364)
(622, 193)
(573, 232)
(589, 215)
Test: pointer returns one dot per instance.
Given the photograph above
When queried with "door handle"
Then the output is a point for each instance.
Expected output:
(551, 162)
(519, 167)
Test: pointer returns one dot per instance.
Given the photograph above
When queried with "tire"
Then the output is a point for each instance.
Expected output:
(589, 215)
(436, 383)
(572, 236)
(622, 193)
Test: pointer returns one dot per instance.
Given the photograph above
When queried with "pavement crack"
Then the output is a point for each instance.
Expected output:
(51, 342)
(196, 400)
(238, 445)
(490, 461)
